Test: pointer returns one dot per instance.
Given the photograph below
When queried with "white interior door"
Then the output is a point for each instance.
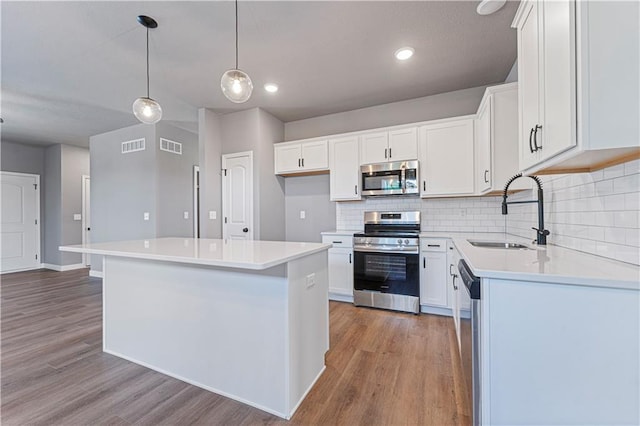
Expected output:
(86, 216)
(237, 196)
(20, 209)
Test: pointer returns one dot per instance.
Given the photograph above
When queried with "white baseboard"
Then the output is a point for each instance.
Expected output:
(338, 297)
(63, 268)
(96, 274)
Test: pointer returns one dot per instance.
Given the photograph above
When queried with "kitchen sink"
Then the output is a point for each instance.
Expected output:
(499, 245)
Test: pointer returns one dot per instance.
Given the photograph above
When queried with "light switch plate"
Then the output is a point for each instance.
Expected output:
(311, 280)
(186, 215)
(213, 214)
(303, 214)
(77, 216)
(146, 216)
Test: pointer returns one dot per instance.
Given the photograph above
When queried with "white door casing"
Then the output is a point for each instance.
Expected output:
(237, 196)
(20, 218)
(86, 216)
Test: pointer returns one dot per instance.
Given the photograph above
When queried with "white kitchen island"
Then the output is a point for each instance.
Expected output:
(245, 319)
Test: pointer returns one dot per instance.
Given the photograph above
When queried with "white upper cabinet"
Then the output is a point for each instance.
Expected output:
(496, 140)
(393, 145)
(447, 158)
(344, 166)
(301, 157)
(483, 147)
(578, 84)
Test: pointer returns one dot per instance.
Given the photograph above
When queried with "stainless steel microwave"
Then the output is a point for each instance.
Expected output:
(396, 178)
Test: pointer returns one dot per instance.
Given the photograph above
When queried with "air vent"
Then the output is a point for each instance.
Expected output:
(170, 146)
(133, 146)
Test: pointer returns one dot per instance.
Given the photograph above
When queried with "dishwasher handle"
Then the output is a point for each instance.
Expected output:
(470, 281)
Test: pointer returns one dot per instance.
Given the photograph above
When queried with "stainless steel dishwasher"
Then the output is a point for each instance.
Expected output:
(470, 341)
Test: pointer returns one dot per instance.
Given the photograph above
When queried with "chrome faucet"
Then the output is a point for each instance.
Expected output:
(541, 233)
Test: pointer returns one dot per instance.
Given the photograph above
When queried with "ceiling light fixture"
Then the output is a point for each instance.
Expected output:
(236, 84)
(271, 87)
(146, 109)
(487, 7)
(404, 53)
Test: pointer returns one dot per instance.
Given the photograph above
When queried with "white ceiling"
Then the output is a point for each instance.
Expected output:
(72, 69)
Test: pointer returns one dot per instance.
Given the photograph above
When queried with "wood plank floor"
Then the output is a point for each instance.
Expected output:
(384, 368)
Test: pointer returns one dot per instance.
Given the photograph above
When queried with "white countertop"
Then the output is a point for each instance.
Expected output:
(550, 264)
(342, 232)
(244, 254)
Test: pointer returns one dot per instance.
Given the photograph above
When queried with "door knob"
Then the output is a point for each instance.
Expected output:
(245, 229)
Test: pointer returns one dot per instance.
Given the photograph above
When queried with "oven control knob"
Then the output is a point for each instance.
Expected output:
(406, 241)
(399, 241)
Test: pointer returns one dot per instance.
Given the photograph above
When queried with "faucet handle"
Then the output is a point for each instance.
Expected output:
(544, 232)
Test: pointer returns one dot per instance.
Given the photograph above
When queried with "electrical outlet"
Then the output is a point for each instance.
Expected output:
(146, 216)
(213, 214)
(186, 215)
(146, 244)
(311, 280)
(77, 216)
(303, 214)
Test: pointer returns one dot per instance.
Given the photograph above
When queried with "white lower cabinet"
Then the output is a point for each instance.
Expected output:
(433, 273)
(340, 266)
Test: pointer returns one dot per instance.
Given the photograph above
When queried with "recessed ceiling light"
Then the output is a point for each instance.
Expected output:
(487, 7)
(404, 53)
(271, 87)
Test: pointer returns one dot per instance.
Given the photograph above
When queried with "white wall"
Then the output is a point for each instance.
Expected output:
(465, 214)
(596, 212)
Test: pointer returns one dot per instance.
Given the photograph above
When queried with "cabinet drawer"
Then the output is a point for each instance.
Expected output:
(338, 240)
(433, 244)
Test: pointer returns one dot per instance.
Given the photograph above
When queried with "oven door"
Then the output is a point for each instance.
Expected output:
(387, 272)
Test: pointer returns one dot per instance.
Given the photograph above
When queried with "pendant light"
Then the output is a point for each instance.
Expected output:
(146, 109)
(236, 84)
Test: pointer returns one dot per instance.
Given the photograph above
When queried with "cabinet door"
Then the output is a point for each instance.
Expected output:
(447, 160)
(433, 285)
(374, 148)
(483, 147)
(558, 131)
(529, 79)
(341, 271)
(315, 155)
(454, 287)
(344, 168)
(287, 158)
(403, 144)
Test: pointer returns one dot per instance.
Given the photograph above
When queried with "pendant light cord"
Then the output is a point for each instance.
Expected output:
(148, 62)
(236, 34)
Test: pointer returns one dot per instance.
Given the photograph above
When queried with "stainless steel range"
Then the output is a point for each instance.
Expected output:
(386, 262)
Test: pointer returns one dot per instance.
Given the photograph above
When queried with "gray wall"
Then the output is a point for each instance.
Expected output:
(251, 130)
(513, 74)
(20, 158)
(311, 194)
(210, 150)
(53, 201)
(271, 188)
(74, 164)
(444, 105)
(175, 183)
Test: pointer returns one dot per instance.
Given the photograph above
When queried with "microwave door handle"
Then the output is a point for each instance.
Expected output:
(403, 180)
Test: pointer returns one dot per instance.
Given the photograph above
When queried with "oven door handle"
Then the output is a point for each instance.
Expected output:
(398, 250)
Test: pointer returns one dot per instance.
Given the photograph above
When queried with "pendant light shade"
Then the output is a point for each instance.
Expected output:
(236, 84)
(147, 110)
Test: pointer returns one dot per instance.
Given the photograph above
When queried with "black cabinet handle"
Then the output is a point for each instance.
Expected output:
(389, 152)
(298, 162)
(424, 185)
(303, 162)
(535, 137)
(433, 245)
(424, 262)
(336, 242)
(385, 153)
(349, 257)
(485, 176)
(531, 136)
(356, 189)
(455, 287)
